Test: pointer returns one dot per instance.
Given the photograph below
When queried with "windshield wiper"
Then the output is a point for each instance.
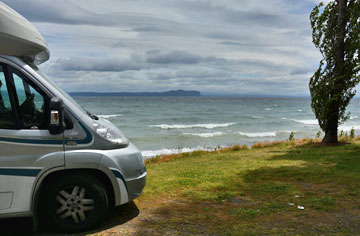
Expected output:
(94, 117)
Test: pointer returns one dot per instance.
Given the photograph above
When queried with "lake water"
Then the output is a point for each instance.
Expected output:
(163, 125)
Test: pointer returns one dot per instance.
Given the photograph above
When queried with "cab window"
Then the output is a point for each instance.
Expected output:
(7, 120)
(30, 101)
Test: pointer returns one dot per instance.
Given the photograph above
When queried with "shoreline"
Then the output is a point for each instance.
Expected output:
(178, 151)
(259, 144)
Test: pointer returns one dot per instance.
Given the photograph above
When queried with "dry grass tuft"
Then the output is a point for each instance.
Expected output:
(299, 142)
(162, 159)
(237, 147)
(296, 142)
(266, 144)
(346, 139)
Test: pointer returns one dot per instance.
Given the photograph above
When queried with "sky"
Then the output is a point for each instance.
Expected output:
(218, 47)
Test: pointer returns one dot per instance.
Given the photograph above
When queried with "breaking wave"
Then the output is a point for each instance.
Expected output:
(153, 153)
(257, 117)
(205, 135)
(181, 126)
(258, 134)
(307, 122)
(110, 116)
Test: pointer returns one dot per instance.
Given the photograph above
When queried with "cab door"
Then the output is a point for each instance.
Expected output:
(26, 147)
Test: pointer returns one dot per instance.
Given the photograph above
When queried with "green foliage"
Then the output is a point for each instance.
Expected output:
(332, 85)
(318, 134)
(341, 133)
(291, 136)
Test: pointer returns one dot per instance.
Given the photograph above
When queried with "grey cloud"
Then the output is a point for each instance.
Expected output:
(180, 65)
(247, 43)
(211, 10)
(180, 57)
(192, 74)
(171, 57)
(225, 35)
(118, 45)
(301, 71)
(232, 43)
(51, 11)
(147, 29)
(161, 75)
(212, 81)
(158, 59)
(207, 73)
(261, 65)
(65, 12)
(88, 64)
(257, 18)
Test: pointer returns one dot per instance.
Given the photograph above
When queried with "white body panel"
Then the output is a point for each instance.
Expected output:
(20, 190)
(123, 192)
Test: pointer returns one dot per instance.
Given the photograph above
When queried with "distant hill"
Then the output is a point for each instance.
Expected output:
(148, 94)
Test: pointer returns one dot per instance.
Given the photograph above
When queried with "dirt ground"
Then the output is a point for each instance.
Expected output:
(122, 220)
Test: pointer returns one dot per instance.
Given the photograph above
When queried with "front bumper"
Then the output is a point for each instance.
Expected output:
(135, 186)
(127, 170)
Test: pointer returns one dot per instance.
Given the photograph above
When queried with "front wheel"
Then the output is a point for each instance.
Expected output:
(75, 202)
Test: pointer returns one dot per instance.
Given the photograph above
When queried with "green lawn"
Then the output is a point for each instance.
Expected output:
(255, 191)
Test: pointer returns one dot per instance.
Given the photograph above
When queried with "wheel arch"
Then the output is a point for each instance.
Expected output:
(100, 175)
(57, 173)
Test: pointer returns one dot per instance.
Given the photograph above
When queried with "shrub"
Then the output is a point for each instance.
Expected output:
(352, 133)
(291, 136)
(238, 147)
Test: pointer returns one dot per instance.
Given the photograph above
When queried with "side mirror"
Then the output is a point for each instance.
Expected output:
(57, 123)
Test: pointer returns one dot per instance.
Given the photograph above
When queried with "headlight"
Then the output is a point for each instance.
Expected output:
(109, 134)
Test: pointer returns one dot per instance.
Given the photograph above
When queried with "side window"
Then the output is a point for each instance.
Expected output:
(30, 101)
(7, 120)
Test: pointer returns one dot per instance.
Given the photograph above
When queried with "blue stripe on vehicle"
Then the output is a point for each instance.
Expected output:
(20, 172)
(120, 176)
(88, 137)
(86, 140)
(31, 141)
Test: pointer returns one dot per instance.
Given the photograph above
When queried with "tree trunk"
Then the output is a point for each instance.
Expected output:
(331, 130)
(330, 137)
(331, 134)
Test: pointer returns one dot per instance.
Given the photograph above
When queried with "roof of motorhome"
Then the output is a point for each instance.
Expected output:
(20, 38)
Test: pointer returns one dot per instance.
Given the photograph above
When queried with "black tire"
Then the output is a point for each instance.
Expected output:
(75, 202)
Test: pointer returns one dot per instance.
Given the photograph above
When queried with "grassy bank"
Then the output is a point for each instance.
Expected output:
(286, 188)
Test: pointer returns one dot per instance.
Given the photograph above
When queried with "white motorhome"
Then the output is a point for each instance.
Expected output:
(58, 162)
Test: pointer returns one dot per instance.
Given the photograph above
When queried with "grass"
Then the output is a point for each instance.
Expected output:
(255, 191)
